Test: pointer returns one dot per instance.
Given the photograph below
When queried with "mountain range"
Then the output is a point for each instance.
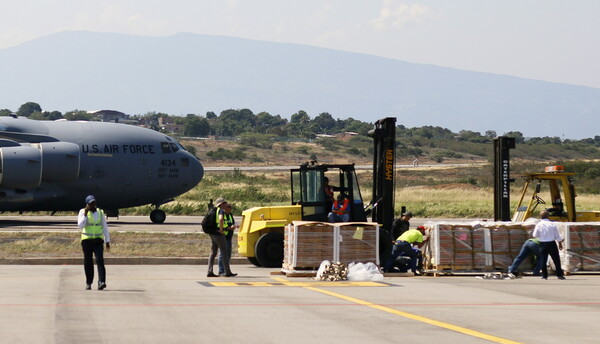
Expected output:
(192, 73)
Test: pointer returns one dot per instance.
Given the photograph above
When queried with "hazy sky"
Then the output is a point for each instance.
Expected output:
(549, 40)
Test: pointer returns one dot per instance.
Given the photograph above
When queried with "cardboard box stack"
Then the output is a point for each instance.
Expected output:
(307, 244)
(582, 241)
(474, 246)
(358, 243)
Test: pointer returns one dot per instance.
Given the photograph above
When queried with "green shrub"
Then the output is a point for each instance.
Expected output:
(225, 154)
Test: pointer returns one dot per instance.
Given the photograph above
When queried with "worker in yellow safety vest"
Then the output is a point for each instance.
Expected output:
(218, 241)
(404, 246)
(94, 233)
(228, 229)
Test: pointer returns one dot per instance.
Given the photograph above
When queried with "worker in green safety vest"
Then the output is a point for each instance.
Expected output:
(94, 233)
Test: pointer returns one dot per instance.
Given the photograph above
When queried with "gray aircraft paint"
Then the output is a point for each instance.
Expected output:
(53, 165)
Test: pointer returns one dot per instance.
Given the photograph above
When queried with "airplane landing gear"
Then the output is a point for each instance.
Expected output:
(158, 216)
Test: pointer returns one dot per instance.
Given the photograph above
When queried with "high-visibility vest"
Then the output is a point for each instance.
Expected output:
(341, 210)
(227, 221)
(93, 229)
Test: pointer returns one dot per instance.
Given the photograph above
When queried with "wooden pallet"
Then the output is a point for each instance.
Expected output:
(295, 273)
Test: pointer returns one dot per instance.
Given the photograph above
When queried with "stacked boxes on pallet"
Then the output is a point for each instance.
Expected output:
(583, 246)
(506, 240)
(473, 246)
(307, 244)
(358, 243)
(492, 246)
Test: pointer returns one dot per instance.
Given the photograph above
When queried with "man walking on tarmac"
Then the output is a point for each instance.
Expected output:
(94, 232)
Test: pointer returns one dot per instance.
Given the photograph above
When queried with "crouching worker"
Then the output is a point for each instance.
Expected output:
(403, 247)
(529, 248)
(340, 211)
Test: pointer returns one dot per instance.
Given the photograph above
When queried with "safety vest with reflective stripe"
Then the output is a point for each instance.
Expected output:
(227, 222)
(93, 229)
(341, 209)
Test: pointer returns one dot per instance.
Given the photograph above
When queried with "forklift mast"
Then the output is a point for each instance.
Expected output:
(502, 180)
(384, 163)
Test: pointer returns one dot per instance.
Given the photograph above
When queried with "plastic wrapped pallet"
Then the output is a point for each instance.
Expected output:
(475, 246)
(582, 243)
(358, 242)
(307, 244)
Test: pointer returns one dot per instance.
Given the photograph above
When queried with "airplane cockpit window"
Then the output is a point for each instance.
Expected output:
(166, 148)
(174, 147)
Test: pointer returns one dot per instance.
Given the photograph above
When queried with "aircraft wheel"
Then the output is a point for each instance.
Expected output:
(254, 261)
(269, 250)
(158, 216)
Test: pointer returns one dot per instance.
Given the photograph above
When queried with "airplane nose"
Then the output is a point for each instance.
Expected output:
(196, 170)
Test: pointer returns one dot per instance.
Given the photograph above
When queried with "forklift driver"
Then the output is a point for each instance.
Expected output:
(340, 211)
(557, 208)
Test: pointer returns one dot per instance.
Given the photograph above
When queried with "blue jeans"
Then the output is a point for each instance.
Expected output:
(333, 217)
(405, 249)
(228, 256)
(529, 247)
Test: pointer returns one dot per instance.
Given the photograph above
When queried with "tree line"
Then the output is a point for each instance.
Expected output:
(264, 127)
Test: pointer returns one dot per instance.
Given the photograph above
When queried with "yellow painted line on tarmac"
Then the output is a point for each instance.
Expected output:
(285, 283)
(429, 321)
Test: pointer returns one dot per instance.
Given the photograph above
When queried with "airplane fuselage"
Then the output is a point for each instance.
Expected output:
(53, 165)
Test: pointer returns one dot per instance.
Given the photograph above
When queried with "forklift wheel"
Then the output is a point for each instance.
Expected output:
(253, 261)
(269, 250)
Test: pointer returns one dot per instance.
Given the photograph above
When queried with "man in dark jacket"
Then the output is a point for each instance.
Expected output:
(401, 224)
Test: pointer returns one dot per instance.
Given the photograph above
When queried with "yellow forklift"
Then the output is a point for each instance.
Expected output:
(554, 190)
(260, 237)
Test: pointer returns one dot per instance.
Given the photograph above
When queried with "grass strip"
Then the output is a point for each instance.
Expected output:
(123, 244)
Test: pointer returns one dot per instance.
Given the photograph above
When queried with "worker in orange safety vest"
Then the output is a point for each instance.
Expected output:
(340, 211)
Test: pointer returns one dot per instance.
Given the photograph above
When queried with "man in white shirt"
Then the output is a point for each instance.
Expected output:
(547, 232)
(94, 232)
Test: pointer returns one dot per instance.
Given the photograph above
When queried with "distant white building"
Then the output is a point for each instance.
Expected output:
(346, 135)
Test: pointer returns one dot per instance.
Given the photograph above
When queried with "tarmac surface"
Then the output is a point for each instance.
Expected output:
(178, 304)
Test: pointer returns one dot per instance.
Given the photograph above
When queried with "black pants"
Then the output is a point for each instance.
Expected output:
(550, 248)
(93, 247)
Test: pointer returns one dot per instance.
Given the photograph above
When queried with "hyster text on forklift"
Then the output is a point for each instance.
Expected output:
(553, 189)
(260, 238)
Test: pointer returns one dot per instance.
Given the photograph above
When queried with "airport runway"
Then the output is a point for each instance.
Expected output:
(177, 304)
(174, 224)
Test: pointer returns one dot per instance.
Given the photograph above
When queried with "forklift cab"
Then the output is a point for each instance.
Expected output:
(308, 190)
(551, 190)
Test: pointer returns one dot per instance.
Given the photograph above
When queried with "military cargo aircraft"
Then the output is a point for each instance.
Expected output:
(53, 165)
